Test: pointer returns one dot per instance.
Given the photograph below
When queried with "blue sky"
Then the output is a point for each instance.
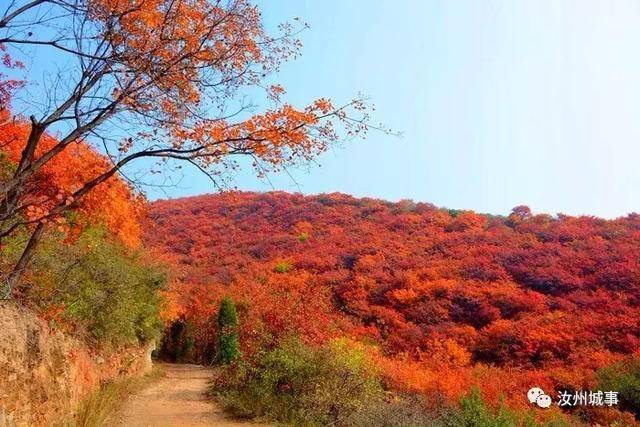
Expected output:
(500, 103)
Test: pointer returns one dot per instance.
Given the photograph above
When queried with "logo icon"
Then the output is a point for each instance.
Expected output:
(537, 396)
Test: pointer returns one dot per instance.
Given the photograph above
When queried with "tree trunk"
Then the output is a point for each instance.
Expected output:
(23, 262)
(14, 187)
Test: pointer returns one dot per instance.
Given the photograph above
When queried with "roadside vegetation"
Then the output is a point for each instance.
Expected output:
(339, 384)
(98, 288)
(89, 273)
(102, 406)
(336, 385)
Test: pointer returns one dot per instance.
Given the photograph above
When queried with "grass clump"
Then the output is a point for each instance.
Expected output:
(100, 408)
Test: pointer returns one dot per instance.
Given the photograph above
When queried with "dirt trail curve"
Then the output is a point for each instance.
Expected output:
(177, 399)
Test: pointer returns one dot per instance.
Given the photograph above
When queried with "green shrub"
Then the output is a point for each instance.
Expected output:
(623, 377)
(303, 237)
(282, 267)
(228, 346)
(103, 287)
(297, 384)
(473, 412)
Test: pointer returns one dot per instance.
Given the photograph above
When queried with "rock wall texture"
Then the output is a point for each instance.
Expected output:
(45, 374)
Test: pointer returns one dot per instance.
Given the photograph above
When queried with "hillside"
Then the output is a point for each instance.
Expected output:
(506, 302)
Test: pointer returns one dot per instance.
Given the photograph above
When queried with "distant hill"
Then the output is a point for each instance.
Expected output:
(555, 296)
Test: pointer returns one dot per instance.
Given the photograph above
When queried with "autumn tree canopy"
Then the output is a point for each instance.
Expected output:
(160, 79)
(115, 204)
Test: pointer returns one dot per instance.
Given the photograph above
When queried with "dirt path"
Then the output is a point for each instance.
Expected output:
(176, 399)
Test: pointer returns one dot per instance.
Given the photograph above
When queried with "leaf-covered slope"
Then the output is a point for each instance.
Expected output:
(524, 290)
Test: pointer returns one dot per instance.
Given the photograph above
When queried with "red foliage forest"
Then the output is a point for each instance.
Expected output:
(450, 298)
(113, 204)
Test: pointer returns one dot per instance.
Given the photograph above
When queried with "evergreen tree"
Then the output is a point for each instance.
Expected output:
(228, 342)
